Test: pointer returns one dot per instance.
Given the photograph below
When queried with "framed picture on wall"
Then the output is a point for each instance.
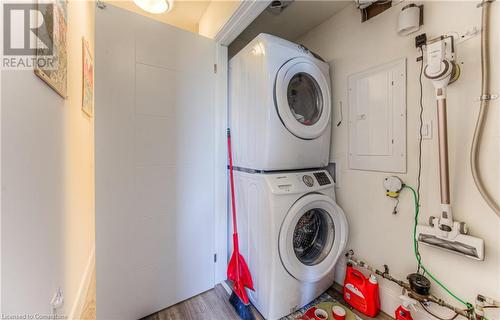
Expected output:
(88, 80)
(51, 52)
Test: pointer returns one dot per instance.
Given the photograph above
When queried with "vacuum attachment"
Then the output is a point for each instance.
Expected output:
(447, 234)
(452, 241)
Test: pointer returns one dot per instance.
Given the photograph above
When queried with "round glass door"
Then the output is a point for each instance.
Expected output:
(302, 97)
(305, 99)
(312, 237)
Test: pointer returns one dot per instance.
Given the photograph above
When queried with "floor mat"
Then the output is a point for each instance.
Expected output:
(324, 298)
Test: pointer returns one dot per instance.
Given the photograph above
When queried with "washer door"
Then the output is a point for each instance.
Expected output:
(312, 237)
(302, 97)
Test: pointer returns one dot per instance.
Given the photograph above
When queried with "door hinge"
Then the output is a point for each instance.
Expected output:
(215, 257)
(215, 68)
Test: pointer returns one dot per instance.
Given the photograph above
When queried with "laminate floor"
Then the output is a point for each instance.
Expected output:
(88, 312)
(214, 305)
(210, 305)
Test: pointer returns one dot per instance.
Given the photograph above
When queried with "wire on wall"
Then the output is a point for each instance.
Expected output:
(436, 316)
(420, 137)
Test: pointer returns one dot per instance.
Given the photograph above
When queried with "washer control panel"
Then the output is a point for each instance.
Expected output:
(308, 180)
(298, 182)
(322, 178)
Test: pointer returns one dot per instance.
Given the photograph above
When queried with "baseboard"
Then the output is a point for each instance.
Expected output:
(390, 301)
(79, 302)
(226, 287)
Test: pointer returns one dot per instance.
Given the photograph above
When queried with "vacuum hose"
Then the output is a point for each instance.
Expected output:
(483, 109)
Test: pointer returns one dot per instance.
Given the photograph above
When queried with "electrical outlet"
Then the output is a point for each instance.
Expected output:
(427, 130)
(420, 40)
(57, 300)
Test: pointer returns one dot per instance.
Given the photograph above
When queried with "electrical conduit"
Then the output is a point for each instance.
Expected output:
(483, 108)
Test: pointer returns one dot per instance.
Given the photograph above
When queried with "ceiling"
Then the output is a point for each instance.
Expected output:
(296, 19)
(185, 14)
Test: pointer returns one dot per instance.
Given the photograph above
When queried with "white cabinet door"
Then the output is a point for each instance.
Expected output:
(154, 137)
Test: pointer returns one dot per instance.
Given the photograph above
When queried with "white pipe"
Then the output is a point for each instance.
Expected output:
(483, 109)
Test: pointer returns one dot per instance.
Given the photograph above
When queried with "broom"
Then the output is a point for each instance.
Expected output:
(237, 269)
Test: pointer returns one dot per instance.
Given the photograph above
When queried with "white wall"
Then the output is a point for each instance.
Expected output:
(375, 234)
(47, 183)
(155, 164)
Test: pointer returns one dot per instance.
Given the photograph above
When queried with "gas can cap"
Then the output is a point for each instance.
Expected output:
(373, 279)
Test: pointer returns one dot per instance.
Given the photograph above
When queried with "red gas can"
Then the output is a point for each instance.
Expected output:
(361, 292)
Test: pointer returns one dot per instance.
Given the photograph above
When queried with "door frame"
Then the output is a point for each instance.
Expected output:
(246, 12)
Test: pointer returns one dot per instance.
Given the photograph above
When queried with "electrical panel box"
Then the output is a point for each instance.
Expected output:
(377, 118)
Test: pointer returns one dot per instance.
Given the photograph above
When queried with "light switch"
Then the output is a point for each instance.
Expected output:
(427, 130)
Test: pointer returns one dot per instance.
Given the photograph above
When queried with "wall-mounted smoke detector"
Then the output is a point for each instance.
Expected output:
(155, 6)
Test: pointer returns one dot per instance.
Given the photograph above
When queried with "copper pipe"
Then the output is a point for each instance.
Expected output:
(444, 175)
(384, 274)
(469, 314)
(430, 298)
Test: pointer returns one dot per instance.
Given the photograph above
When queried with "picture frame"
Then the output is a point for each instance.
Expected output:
(87, 79)
(55, 26)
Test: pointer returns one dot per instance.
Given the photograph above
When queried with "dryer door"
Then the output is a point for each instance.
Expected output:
(312, 237)
(302, 98)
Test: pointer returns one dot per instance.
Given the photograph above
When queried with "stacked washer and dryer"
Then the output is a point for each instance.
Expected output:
(291, 230)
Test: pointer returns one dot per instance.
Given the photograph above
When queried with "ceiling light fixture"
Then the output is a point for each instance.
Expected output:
(155, 6)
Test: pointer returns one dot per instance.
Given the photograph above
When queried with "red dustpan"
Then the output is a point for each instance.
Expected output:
(237, 269)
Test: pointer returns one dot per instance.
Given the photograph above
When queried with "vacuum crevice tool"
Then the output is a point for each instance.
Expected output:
(443, 232)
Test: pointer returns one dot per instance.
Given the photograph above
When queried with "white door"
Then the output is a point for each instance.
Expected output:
(303, 98)
(312, 237)
(154, 137)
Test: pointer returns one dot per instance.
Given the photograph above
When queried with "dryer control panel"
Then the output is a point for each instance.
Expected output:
(297, 182)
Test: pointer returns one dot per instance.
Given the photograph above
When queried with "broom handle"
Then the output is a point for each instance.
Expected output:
(236, 249)
(233, 199)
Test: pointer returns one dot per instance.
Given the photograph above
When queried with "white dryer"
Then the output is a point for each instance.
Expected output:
(292, 233)
(280, 106)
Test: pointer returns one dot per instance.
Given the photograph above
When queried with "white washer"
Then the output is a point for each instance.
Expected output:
(291, 234)
(280, 106)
